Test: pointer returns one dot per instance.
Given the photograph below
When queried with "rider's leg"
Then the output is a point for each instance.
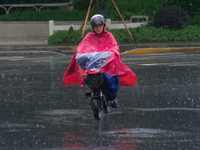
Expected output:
(110, 88)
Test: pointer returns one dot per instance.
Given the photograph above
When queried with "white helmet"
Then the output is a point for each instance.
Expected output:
(97, 19)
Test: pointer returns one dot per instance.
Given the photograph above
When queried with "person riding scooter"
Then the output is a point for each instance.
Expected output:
(99, 52)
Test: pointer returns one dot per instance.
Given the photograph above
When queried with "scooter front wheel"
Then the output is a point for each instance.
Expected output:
(105, 106)
(96, 109)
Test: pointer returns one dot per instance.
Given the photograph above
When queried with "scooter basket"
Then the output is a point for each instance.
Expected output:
(95, 80)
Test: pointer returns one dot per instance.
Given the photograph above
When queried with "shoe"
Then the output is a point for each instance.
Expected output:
(113, 104)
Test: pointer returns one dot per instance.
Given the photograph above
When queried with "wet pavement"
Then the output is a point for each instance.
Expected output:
(71, 49)
(39, 112)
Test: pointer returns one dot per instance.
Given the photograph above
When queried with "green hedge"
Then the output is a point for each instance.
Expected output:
(20, 9)
(146, 34)
(152, 34)
(190, 6)
(75, 15)
(126, 7)
(31, 1)
(66, 37)
(45, 15)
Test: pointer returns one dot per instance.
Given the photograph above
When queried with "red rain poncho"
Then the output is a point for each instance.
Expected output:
(93, 44)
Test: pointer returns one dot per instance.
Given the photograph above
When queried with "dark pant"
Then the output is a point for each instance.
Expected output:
(110, 86)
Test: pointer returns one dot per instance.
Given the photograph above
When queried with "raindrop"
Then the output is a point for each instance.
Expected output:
(2, 76)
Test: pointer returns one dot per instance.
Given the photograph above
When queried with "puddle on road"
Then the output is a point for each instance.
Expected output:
(165, 109)
(147, 133)
(63, 112)
(169, 64)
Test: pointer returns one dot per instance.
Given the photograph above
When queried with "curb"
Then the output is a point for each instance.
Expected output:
(30, 53)
(162, 50)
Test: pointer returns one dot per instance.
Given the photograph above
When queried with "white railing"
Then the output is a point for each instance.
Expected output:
(53, 28)
(146, 17)
(109, 24)
(38, 7)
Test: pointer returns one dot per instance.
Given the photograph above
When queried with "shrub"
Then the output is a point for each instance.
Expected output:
(171, 17)
(81, 4)
(194, 20)
(58, 37)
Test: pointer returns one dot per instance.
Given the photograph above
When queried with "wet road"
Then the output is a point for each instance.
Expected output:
(37, 111)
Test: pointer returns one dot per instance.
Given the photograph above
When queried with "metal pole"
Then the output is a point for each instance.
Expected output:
(123, 20)
(89, 14)
(86, 18)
